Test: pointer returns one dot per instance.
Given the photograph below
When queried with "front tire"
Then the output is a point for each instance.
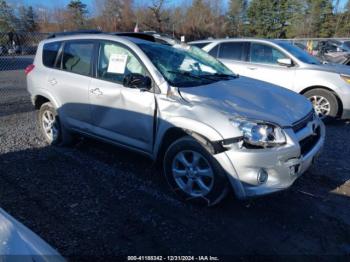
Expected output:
(193, 173)
(324, 102)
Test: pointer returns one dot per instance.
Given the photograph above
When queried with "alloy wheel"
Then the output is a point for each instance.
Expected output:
(49, 125)
(321, 105)
(193, 173)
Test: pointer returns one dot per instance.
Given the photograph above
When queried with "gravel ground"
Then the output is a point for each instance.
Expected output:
(95, 199)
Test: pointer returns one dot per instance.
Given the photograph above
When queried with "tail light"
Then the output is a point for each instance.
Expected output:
(29, 69)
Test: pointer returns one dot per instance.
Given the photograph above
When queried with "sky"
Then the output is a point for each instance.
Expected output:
(90, 3)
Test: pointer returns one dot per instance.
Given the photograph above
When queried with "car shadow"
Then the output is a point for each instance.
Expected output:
(96, 200)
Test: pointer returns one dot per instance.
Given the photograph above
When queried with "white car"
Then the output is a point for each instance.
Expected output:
(281, 63)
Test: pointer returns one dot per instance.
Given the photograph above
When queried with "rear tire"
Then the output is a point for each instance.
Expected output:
(325, 103)
(51, 128)
(193, 173)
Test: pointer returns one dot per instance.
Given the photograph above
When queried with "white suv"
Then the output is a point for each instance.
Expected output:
(210, 129)
(281, 63)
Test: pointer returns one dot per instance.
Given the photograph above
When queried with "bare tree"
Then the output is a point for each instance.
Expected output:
(158, 13)
(114, 15)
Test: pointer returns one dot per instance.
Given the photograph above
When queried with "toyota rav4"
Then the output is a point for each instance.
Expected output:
(212, 130)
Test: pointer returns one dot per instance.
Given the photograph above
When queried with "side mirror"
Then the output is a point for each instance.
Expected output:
(137, 81)
(285, 62)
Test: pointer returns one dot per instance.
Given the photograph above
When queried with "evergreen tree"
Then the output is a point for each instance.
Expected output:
(269, 18)
(27, 19)
(78, 12)
(297, 26)
(320, 14)
(8, 20)
(237, 16)
(31, 20)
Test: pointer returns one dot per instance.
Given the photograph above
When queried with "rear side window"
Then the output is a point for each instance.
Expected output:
(77, 57)
(233, 50)
(50, 51)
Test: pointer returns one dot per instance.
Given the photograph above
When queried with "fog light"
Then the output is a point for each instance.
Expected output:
(262, 176)
(294, 170)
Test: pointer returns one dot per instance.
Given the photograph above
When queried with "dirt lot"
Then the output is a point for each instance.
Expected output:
(94, 199)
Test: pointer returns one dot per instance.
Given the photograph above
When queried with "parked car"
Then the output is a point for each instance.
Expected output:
(20, 243)
(281, 63)
(210, 129)
(335, 57)
(334, 51)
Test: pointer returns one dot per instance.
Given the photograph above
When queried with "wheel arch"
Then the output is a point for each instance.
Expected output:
(39, 100)
(176, 132)
(42, 97)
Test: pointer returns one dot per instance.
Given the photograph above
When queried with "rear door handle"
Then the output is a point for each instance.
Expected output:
(52, 81)
(252, 68)
(96, 91)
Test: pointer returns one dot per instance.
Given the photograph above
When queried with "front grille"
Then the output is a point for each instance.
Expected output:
(297, 126)
(307, 144)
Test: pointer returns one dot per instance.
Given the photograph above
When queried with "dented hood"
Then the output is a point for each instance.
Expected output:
(252, 99)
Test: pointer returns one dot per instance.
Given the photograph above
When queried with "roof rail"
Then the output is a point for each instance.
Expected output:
(67, 33)
(142, 36)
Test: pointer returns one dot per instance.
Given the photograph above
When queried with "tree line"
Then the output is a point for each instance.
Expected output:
(194, 19)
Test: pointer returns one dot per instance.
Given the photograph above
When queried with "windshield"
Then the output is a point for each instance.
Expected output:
(299, 54)
(186, 66)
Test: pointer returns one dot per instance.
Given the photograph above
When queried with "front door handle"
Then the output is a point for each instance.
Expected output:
(252, 68)
(96, 91)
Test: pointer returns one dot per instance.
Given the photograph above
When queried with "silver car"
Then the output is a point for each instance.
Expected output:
(281, 63)
(211, 130)
(19, 243)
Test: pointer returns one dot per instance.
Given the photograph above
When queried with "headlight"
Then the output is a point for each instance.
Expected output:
(346, 78)
(260, 134)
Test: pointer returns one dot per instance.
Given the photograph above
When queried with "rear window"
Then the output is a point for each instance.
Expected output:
(77, 57)
(50, 51)
(232, 50)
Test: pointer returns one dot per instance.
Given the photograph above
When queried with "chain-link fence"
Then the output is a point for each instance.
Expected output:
(17, 50)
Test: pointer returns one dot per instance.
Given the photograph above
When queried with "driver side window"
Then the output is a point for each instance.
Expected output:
(115, 62)
(264, 54)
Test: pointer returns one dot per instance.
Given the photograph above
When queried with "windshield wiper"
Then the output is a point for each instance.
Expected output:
(204, 76)
(184, 73)
(221, 75)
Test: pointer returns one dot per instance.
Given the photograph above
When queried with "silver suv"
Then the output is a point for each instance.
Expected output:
(211, 130)
(281, 63)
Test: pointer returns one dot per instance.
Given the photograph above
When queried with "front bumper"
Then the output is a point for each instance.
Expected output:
(283, 164)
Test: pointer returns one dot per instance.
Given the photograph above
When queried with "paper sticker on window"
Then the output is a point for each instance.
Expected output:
(117, 63)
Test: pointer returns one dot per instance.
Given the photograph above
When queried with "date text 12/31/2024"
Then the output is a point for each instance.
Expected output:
(173, 258)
